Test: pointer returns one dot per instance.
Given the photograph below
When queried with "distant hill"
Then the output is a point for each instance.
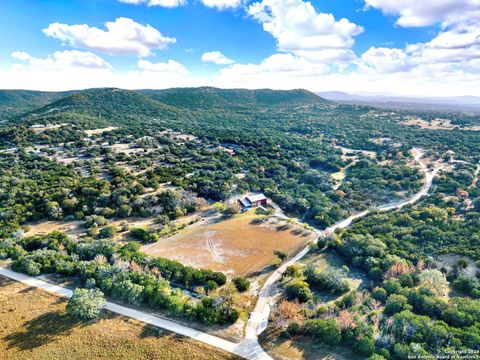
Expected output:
(208, 97)
(101, 107)
(18, 101)
(107, 106)
(447, 104)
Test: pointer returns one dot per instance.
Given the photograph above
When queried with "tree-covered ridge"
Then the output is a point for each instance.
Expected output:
(235, 99)
(13, 102)
(291, 167)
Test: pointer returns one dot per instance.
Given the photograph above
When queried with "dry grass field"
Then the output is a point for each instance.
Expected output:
(437, 124)
(283, 348)
(34, 325)
(241, 245)
(71, 228)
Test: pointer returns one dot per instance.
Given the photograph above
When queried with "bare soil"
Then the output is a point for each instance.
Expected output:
(242, 245)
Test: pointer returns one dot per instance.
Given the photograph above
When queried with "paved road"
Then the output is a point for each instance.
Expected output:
(259, 317)
(249, 349)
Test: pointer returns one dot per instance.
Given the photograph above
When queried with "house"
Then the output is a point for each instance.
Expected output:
(252, 201)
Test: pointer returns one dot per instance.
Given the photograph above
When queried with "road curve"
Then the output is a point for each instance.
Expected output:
(246, 349)
(259, 317)
(249, 348)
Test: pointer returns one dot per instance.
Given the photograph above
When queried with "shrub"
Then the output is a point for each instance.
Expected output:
(462, 263)
(107, 232)
(86, 304)
(396, 303)
(241, 283)
(281, 255)
(326, 331)
(298, 290)
(143, 235)
(211, 285)
(293, 271)
(328, 280)
(379, 294)
(293, 329)
(365, 346)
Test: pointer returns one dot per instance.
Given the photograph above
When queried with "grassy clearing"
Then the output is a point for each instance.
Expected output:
(35, 325)
(301, 349)
(241, 245)
(338, 176)
(328, 259)
(72, 228)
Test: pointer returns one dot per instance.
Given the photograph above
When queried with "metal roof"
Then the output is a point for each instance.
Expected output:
(245, 202)
(255, 198)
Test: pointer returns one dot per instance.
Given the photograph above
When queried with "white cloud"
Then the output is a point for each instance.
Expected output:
(162, 3)
(423, 13)
(219, 4)
(456, 48)
(276, 71)
(61, 60)
(222, 4)
(387, 60)
(459, 44)
(216, 57)
(418, 81)
(299, 29)
(122, 37)
(67, 70)
(171, 66)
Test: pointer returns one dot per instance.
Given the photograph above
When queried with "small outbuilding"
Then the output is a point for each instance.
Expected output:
(252, 201)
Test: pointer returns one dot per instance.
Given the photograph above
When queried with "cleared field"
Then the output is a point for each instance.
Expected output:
(242, 245)
(100, 131)
(71, 228)
(302, 349)
(34, 325)
(438, 124)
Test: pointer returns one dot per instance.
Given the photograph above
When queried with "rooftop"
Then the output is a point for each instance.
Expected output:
(257, 197)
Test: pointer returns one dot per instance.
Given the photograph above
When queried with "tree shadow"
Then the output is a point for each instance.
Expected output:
(284, 227)
(5, 281)
(27, 290)
(41, 330)
(296, 232)
(150, 331)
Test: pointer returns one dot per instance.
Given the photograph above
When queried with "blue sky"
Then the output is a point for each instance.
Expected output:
(384, 46)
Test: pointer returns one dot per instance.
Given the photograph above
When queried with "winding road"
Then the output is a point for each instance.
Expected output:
(259, 317)
(249, 348)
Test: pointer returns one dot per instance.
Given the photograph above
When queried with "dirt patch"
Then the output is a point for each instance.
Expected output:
(100, 131)
(125, 149)
(241, 245)
(34, 325)
(37, 129)
(437, 124)
(448, 261)
(71, 228)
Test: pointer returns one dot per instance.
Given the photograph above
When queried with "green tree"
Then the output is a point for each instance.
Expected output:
(299, 290)
(326, 331)
(86, 304)
(281, 255)
(241, 283)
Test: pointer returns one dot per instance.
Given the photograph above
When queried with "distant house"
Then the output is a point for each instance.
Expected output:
(252, 201)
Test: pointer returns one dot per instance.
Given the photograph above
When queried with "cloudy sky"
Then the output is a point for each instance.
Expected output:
(406, 47)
